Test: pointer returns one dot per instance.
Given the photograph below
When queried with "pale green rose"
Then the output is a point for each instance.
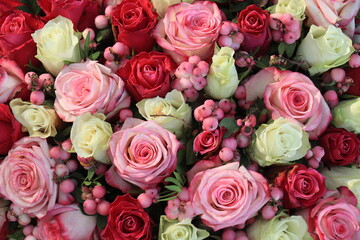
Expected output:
(171, 112)
(343, 176)
(347, 115)
(280, 227)
(38, 120)
(294, 7)
(279, 142)
(323, 49)
(184, 230)
(222, 79)
(56, 42)
(162, 5)
(90, 136)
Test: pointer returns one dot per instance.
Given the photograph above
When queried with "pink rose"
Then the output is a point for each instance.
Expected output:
(208, 141)
(11, 80)
(335, 217)
(189, 29)
(227, 196)
(293, 95)
(65, 222)
(340, 13)
(143, 153)
(26, 177)
(89, 87)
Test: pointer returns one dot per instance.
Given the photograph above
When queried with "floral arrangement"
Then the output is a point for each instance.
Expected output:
(179, 119)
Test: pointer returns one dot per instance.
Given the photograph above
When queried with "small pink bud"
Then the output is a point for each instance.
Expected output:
(124, 114)
(88, 31)
(276, 193)
(354, 61)
(319, 152)
(338, 74)
(37, 97)
(67, 186)
(174, 203)
(98, 191)
(112, 65)
(268, 212)
(171, 213)
(185, 83)
(101, 22)
(103, 208)
(144, 200)
(184, 195)
(108, 54)
(108, 11)
(121, 49)
(331, 98)
(309, 154)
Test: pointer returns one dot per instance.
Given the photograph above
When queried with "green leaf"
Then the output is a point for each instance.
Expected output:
(290, 49)
(174, 188)
(30, 6)
(243, 75)
(230, 125)
(179, 177)
(102, 34)
(190, 155)
(174, 181)
(91, 173)
(95, 55)
(281, 48)
(101, 221)
(87, 183)
(77, 175)
(66, 62)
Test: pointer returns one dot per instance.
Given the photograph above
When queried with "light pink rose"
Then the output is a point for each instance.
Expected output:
(26, 177)
(227, 196)
(293, 95)
(89, 87)
(11, 79)
(65, 223)
(334, 217)
(340, 13)
(189, 29)
(143, 153)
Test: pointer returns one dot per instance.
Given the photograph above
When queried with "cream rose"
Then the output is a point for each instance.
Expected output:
(171, 112)
(38, 120)
(280, 227)
(294, 7)
(222, 79)
(162, 5)
(279, 142)
(343, 176)
(90, 136)
(347, 115)
(323, 49)
(57, 42)
(176, 230)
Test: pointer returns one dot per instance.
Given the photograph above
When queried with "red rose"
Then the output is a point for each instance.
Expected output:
(9, 5)
(81, 12)
(302, 186)
(134, 20)
(253, 22)
(208, 141)
(147, 75)
(341, 147)
(10, 129)
(127, 220)
(353, 73)
(16, 42)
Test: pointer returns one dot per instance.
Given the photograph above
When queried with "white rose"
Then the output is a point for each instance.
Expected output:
(38, 120)
(279, 142)
(171, 112)
(90, 136)
(222, 79)
(323, 49)
(162, 5)
(56, 42)
(343, 176)
(294, 7)
(347, 115)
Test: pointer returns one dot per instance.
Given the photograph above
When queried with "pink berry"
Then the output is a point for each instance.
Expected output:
(194, 59)
(61, 170)
(55, 152)
(37, 97)
(152, 193)
(277, 36)
(124, 114)
(64, 155)
(319, 152)
(89, 205)
(241, 235)
(185, 83)
(72, 165)
(174, 203)
(30, 237)
(314, 163)
(338, 74)
(108, 55)
(225, 28)
(203, 67)
(210, 103)
(101, 22)
(46, 79)
(218, 114)
(27, 230)
(144, 200)
(67, 186)
(112, 65)
(199, 82)
(103, 208)
(202, 112)
(108, 11)
(229, 143)
(268, 212)
(24, 219)
(99, 191)
(276, 193)
(309, 154)
(100, 169)
(185, 69)
(172, 213)
(240, 92)
(225, 105)
(210, 124)
(188, 212)
(88, 31)
(228, 234)
(225, 41)
(235, 46)
(66, 145)
(290, 37)
(331, 98)
(354, 61)
(238, 38)
(242, 141)
(184, 195)
(65, 198)
(191, 94)
(121, 49)
(226, 154)
(29, 77)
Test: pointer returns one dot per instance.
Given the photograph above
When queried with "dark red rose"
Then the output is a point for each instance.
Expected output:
(302, 186)
(353, 73)
(147, 75)
(81, 12)
(253, 22)
(10, 129)
(341, 147)
(208, 141)
(9, 5)
(134, 20)
(16, 42)
(127, 220)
